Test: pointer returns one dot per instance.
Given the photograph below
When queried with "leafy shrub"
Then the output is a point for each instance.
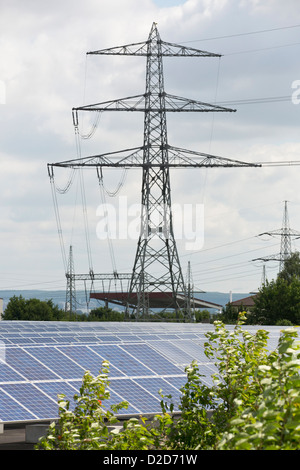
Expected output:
(254, 403)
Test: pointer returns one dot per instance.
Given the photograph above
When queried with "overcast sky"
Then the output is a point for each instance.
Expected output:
(44, 72)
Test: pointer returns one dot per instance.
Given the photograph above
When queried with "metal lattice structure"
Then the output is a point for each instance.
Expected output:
(156, 266)
(286, 234)
(71, 288)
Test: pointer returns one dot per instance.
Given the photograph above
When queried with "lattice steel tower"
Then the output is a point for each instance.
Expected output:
(71, 290)
(156, 266)
(286, 234)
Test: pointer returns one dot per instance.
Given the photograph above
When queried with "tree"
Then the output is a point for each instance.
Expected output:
(105, 314)
(279, 300)
(229, 314)
(291, 267)
(33, 309)
(276, 301)
(15, 309)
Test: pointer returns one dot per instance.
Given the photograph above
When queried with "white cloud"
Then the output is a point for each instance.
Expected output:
(45, 73)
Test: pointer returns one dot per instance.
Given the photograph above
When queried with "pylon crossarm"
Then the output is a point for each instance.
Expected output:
(130, 103)
(178, 158)
(176, 50)
(172, 103)
(168, 49)
(137, 48)
(110, 159)
(178, 103)
(289, 232)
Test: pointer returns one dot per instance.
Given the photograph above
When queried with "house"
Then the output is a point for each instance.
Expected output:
(245, 304)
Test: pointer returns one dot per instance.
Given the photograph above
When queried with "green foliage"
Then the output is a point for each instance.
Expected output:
(272, 421)
(229, 314)
(105, 314)
(86, 426)
(253, 404)
(291, 268)
(19, 308)
(277, 300)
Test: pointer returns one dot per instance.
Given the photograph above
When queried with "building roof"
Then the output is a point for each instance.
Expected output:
(245, 302)
(156, 299)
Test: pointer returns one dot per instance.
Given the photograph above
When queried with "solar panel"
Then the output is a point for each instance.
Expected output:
(121, 360)
(88, 359)
(27, 366)
(141, 399)
(32, 399)
(12, 410)
(54, 359)
(152, 359)
(40, 360)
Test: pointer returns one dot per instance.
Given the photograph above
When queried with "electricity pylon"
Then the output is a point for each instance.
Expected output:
(286, 234)
(156, 266)
(71, 291)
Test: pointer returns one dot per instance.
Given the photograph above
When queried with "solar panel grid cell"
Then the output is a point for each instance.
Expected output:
(27, 366)
(11, 410)
(7, 374)
(121, 360)
(152, 359)
(156, 384)
(55, 360)
(33, 399)
(88, 359)
(176, 355)
(193, 348)
(53, 389)
(136, 395)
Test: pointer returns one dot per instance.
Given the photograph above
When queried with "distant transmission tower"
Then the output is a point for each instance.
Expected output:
(190, 294)
(71, 291)
(157, 279)
(286, 234)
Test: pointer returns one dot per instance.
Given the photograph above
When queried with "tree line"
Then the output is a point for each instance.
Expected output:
(19, 308)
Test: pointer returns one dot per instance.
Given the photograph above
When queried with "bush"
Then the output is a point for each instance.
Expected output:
(254, 400)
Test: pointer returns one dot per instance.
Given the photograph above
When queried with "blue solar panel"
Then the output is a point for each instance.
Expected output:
(40, 360)
(44, 339)
(152, 359)
(194, 349)
(11, 410)
(32, 399)
(27, 366)
(155, 384)
(121, 360)
(7, 374)
(88, 359)
(54, 359)
(172, 352)
(53, 389)
(136, 395)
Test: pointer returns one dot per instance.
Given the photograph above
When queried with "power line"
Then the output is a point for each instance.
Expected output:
(270, 99)
(244, 34)
(262, 49)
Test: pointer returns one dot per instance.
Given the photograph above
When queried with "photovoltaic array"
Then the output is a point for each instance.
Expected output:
(39, 360)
